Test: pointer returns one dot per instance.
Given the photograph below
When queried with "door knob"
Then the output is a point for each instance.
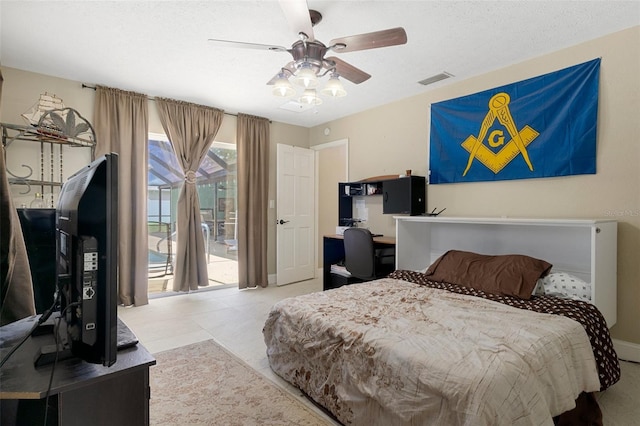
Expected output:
(282, 222)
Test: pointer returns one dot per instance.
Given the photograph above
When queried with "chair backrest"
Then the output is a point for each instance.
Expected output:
(359, 255)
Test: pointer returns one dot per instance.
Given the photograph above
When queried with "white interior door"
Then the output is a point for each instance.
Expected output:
(296, 214)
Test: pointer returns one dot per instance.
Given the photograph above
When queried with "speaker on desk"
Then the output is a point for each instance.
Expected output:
(39, 230)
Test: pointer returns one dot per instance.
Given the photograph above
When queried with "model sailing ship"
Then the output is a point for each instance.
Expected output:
(51, 118)
(45, 103)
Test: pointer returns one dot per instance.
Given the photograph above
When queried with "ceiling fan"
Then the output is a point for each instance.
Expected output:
(309, 60)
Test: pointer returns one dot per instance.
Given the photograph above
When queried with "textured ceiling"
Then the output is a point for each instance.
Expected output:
(160, 48)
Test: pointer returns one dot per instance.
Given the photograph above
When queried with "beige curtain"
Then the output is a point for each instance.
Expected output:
(253, 193)
(16, 288)
(121, 125)
(191, 129)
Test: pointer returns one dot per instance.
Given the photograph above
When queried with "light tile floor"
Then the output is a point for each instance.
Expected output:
(234, 318)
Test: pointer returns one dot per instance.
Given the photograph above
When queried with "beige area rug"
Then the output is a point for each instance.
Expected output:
(204, 384)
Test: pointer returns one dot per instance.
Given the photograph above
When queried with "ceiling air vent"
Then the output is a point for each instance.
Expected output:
(295, 106)
(435, 78)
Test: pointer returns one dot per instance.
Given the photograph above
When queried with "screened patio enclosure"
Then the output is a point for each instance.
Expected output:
(216, 186)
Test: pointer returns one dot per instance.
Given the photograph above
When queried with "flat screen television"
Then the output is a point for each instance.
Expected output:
(87, 253)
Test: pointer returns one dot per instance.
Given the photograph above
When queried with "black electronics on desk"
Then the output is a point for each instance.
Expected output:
(405, 195)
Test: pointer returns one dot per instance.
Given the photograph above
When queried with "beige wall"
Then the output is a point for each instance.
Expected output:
(21, 90)
(331, 168)
(394, 137)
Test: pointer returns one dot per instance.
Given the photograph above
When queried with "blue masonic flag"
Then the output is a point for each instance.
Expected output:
(541, 127)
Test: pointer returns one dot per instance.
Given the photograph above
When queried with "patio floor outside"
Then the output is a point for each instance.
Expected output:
(222, 268)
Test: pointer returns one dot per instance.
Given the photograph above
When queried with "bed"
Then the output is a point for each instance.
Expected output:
(422, 347)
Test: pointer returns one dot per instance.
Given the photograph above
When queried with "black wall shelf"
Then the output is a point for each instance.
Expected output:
(403, 195)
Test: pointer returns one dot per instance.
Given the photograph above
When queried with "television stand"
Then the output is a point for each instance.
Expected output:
(81, 393)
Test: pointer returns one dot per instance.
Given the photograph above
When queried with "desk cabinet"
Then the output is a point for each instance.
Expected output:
(404, 196)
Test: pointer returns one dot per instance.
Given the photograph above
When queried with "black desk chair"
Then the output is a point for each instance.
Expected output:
(362, 259)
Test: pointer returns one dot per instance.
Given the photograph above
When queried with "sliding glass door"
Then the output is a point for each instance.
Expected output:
(216, 185)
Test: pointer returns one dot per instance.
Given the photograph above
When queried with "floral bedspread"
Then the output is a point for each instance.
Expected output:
(584, 312)
(394, 352)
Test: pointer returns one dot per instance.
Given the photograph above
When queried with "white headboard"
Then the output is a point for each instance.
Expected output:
(584, 248)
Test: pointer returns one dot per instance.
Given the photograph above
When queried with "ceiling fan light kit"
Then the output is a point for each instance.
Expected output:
(306, 76)
(282, 87)
(334, 87)
(310, 97)
(309, 62)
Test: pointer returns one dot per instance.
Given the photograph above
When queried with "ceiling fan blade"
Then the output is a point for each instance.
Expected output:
(297, 14)
(291, 66)
(348, 71)
(374, 40)
(243, 45)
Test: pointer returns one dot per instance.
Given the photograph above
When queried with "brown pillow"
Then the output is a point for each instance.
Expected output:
(510, 274)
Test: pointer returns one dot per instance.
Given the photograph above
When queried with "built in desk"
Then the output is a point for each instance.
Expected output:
(81, 393)
(333, 253)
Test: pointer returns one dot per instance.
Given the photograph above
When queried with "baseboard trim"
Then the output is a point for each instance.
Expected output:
(272, 278)
(627, 351)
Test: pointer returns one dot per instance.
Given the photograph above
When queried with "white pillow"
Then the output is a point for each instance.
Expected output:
(538, 290)
(567, 285)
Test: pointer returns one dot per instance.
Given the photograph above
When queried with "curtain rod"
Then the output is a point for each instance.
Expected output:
(151, 98)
